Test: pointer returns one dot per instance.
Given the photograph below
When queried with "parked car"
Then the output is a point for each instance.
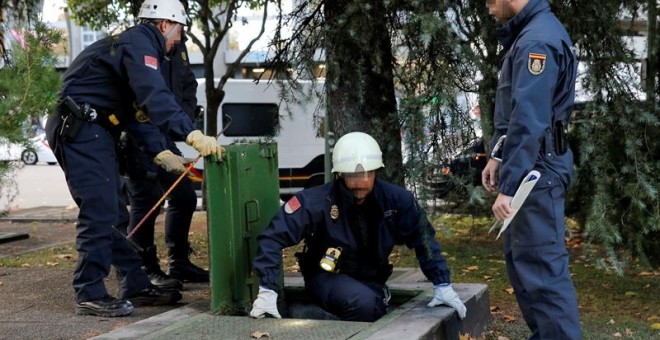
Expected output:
(38, 151)
(467, 165)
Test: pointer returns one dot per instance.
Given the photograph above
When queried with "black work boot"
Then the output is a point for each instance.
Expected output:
(154, 296)
(106, 306)
(157, 277)
(182, 269)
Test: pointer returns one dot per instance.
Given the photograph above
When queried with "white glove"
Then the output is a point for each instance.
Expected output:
(445, 295)
(170, 162)
(266, 303)
(205, 145)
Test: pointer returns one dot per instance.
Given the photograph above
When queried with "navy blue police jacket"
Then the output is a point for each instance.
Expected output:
(118, 73)
(180, 79)
(323, 217)
(536, 89)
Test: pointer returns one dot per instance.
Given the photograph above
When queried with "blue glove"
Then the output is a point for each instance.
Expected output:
(445, 295)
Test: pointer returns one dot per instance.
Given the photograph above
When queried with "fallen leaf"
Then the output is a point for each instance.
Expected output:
(653, 318)
(656, 326)
(629, 293)
(25, 265)
(494, 308)
(499, 337)
(51, 264)
(509, 290)
(509, 318)
(611, 322)
(629, 332)
(487, 277)
(1, 283)
(645, 274)
(617, 335)
(259, 334)
(63, 256)
(472, 268)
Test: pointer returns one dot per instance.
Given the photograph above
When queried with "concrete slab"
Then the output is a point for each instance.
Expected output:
(412, 320)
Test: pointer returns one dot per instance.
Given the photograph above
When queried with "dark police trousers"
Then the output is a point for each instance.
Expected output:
(89, 163)
(537, 263)
(182, 201)
(346, 297)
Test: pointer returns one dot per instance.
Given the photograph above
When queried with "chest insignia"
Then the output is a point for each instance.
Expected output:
(334, 212)
(536, 63)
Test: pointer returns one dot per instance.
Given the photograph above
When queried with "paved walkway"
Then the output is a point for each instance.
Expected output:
(37, 303)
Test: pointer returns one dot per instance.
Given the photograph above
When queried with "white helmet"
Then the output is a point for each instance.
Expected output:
(356, 152)
(163, 9)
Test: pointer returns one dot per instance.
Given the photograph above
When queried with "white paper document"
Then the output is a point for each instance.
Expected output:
(519, 198)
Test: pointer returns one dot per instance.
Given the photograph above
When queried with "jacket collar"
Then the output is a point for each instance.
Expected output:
(509, 31)
(153, 30)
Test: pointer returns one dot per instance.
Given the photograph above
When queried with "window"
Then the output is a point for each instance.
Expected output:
(250, 120)
(89, 36)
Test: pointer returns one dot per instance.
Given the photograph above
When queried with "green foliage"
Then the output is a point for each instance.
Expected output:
(616, 140)
(28, 88)
(102, 14)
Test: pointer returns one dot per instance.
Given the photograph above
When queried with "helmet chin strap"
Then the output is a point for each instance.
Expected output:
(171, 32)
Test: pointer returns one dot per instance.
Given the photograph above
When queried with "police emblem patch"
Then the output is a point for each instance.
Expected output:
(334, 212)
(536, 63)
(292, 205)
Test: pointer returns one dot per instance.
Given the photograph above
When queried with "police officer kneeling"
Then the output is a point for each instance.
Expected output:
(350, 227)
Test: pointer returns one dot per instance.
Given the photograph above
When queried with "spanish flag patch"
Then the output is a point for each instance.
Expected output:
(536, 63)
(292, 205)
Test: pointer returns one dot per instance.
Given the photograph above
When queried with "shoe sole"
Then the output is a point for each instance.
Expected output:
(156, 301)
(104, 313)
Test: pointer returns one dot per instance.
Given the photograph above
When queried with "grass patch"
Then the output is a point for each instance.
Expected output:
(610, 305)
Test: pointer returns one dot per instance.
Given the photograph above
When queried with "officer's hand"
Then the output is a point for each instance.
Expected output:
(205, 145)
(170, 162)
(489, 175)
(445, 295)
(502, 207)
(266, 303)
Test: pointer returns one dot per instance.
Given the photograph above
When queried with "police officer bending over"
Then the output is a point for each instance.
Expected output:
(99, 92)
(146, 183)
(350, 227)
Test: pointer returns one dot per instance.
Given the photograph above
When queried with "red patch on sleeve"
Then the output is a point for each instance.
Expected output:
(150, 61)
(292, 205)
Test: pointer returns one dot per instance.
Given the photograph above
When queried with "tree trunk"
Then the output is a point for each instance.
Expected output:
(359, 80)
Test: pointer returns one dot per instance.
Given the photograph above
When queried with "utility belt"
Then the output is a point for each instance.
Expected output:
(557, 140)
(75, 116)
(560, 137)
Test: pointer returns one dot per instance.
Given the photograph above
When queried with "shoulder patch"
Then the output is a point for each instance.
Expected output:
(536, 63)
(150, 61)
(292, 205)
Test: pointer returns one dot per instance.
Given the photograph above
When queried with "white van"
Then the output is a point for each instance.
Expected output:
(257, 112)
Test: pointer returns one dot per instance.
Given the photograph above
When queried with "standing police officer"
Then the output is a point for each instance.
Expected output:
(99, 92)
(532, 107)
(350, 227)
(147, 182)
